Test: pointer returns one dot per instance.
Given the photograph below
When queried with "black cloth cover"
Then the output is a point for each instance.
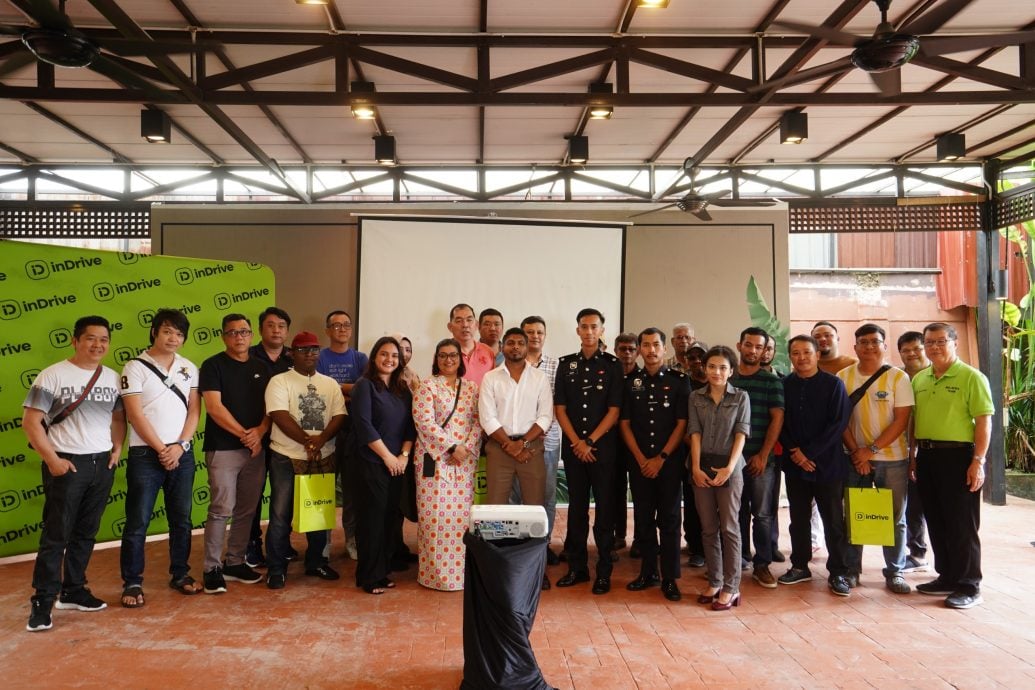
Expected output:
(502, 581)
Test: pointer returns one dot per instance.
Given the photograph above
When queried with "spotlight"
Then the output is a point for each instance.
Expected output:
(361, 107)
(951, 146)
(601, 111)
(384, 149)
(794, 127)
(155, 126)
(578, 148)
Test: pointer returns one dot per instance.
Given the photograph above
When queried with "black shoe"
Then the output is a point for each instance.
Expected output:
(839, 586)
(276, 580)
(643, 582)
(573, 578)
(563, 556)
(778, 556)
(254, 557)
(80, 600)
(39, 617)
(964, 599)
(696, 561)
(241, 573)
(214, 581)
(551, 557)
(671, 590)
(292, 554)
(324, 572)
(936, 587)
(546, 583)
(634, 552)
(602, 585)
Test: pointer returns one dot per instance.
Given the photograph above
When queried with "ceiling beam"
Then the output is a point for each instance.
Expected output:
(111, 11)
(266, 68)
(20, 155)
(61, 122)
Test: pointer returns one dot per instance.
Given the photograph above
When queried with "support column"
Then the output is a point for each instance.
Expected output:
(990, 337)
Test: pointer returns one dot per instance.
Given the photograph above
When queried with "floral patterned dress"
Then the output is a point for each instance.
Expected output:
(444, 501)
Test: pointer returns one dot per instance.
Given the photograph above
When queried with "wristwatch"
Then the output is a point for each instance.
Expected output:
(525, 443)
(663, 455)
(874, 449)
(185, 445)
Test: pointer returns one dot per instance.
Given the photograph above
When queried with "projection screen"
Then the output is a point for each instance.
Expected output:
(412, 270)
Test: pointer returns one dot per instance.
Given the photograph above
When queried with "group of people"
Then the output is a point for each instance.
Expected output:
(708, 428)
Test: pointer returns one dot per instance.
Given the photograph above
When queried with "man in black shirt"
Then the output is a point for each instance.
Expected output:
(587, 400)
(233, 384)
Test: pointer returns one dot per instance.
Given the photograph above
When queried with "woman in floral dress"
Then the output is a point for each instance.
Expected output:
(445, 412)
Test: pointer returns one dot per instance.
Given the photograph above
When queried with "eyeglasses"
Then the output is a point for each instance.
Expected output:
(309, 350)
(869, 343)
(626, 348)
(941, 342)
(239, 333)
(340, 326)
(448, 355)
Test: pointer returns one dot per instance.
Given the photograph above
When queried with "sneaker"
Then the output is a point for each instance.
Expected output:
(275, 580)
(762, 576)
(39, 617)
(839, 586)
(79, 600)
(745, 564)
(936, 587)
(241, 573)
(852, 579)
(898, 585)
(794, 576)
(292, 554)
(915, 565)
(350, 548)
(254, 558)
(324, 572)
(214, 582)
(696, 561)
(963, 600)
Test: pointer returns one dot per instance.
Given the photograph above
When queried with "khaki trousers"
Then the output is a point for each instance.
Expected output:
(500, 469)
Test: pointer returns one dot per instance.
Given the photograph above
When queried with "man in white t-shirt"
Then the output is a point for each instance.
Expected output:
(160, 392)
(78, 433)
(307, 409)
(878, 444)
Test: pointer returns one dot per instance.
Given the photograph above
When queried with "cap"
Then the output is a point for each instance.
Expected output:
(699, 345)
(305, 339)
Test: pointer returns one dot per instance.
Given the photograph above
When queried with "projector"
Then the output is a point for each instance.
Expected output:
(508, 522)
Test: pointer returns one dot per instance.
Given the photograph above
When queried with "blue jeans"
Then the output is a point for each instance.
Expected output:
(757, 502)
(144, 477)
(892, 475)
(72, 509)
(282, 507)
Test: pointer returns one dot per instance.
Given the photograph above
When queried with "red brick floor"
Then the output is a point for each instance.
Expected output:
(316, 634)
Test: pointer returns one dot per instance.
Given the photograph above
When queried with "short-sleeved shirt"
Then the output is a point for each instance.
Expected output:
(481, 361)
(87, 430)
(718, 424)
(587, 388)
(242, 389)
(164, 410)
(654, 405)
(765, 390)
(283, 363)
(312, 401)
(343, 367)
(876, 410)
(947, 406)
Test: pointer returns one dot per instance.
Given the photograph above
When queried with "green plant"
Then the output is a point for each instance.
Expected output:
(763, 318)
(1019, 357)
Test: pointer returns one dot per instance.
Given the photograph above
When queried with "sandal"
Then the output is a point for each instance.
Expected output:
(133, 597)
(374, 589)
(185, 585)
(386, 583)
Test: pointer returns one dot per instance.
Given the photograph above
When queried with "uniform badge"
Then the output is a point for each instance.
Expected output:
(573, 365)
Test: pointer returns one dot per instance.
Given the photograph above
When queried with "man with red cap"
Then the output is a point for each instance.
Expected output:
(307, 408)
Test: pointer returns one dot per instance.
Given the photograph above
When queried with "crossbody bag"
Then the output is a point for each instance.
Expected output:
(428, 469)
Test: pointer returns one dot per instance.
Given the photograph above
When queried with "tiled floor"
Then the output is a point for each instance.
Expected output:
(318, 634)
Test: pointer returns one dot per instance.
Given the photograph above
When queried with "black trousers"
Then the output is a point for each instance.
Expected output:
(582, 477)
(376, 497)
(691, 520)
(623, 472)
(829, 497)
(656, 509)
(953, 515)
(916, 527)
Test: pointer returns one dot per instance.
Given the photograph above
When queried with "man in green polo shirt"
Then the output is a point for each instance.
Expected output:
(952, 426)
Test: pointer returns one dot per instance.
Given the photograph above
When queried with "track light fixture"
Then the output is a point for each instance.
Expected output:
(794, 127)
(384, 149)
(951, 146)
(362, 109)
(578, 148)
(155, 126)
(601, 111)
(652, 4)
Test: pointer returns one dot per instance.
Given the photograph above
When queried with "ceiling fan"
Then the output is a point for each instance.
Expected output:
(882, 54)
(697, 204)
(58, 42)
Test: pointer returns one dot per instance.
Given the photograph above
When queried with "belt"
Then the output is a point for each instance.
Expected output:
(518, 437)
(928, 444)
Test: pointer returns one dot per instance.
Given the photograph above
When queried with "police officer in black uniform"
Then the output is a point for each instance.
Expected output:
(653, 423)
(587, 399)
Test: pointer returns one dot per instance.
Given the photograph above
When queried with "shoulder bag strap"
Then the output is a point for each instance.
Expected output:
(166, 380)
(63, 414)
(859, 392)
(459, 385)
